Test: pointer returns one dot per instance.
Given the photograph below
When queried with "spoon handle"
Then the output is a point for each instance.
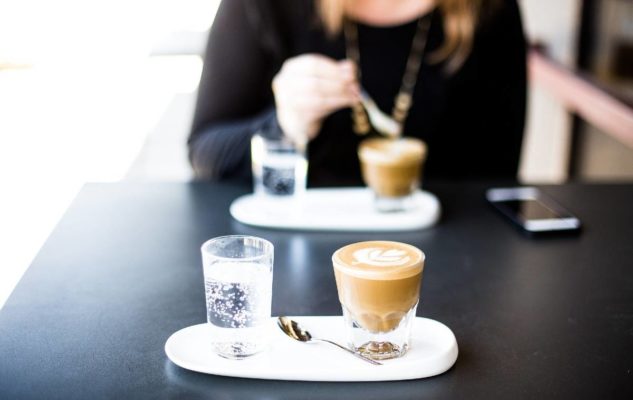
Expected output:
(358, 355)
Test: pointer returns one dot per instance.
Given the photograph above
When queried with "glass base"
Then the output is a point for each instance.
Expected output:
(239, 343)
(393, 204)
(382, 350)
(237, 350)
(379, 345)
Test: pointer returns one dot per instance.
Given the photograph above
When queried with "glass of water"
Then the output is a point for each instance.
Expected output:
(238, 277)
(279, 166)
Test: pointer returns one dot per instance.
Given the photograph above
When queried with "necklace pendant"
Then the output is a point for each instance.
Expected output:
(361, 130)
(401, 107)
(360, 121)
(403, 101)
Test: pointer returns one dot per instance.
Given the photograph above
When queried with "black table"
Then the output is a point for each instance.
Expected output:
(534, 318)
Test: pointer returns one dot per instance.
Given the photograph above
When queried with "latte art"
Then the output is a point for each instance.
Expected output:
(380, 257)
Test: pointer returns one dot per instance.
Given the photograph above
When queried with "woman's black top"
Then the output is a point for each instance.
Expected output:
(472, 120)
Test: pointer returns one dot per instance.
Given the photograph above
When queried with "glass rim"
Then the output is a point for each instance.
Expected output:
(266, 252)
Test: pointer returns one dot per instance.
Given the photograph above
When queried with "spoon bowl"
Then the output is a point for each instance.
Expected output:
(383, 123)
(293, 329)
(296, 332)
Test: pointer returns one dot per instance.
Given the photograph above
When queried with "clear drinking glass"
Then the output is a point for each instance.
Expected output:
(280, 167)
(238, 276)
(378, 286)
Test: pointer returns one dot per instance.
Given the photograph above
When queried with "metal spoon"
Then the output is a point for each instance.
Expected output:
(294, 330)
(380, 121)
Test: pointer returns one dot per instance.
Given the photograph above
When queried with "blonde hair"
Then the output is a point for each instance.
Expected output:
(460, 19)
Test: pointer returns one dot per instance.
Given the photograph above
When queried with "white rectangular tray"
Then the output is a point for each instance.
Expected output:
(433, 351)
(347, 209)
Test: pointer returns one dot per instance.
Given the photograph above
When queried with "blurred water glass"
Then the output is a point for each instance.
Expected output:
(280, 168)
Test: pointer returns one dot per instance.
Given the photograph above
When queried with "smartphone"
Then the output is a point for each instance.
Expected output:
(531, 210)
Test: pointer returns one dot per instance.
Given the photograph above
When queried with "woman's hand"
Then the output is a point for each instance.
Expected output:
(310, 87)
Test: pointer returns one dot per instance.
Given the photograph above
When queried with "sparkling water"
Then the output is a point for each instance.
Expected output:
(238, 307)
(281, 174)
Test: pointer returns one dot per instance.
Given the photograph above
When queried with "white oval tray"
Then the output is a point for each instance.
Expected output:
(348, 209)
(433, 351)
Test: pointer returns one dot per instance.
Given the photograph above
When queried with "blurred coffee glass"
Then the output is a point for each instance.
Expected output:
(392, 169)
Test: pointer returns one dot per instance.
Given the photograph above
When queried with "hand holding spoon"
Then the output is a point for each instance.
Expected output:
(294, 330)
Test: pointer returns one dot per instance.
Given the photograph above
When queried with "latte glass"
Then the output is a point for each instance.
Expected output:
(392, 169)
(378, 286)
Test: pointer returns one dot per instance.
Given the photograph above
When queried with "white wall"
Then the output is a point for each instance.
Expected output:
(80, 91)
(546, 149)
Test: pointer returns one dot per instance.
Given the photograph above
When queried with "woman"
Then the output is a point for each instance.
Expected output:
(291, 65)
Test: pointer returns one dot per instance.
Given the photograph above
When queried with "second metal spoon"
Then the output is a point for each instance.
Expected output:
(294, 330)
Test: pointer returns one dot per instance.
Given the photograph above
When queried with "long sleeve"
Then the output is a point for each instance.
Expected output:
(234, 98)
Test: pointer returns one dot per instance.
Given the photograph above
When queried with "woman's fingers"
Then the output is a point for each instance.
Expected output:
(304, 82)
(310, 87)
(329, 93)
(319, 66)
(314, 105)
(323, 87)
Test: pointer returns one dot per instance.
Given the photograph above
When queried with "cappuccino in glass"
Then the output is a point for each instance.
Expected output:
(392, 169)
(378, 285)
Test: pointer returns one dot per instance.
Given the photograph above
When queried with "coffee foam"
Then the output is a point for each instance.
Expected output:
(379, 257)
(389, 151)
(381, 260)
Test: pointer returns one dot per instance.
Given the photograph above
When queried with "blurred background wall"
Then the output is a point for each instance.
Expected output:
(606, 54)
(97, 90)
(90, 90)
(595, 39)
(546, 150)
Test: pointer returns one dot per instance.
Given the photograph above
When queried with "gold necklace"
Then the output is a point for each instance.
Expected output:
(404, 98)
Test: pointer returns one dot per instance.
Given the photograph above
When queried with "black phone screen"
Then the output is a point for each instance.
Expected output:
(529, 209)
